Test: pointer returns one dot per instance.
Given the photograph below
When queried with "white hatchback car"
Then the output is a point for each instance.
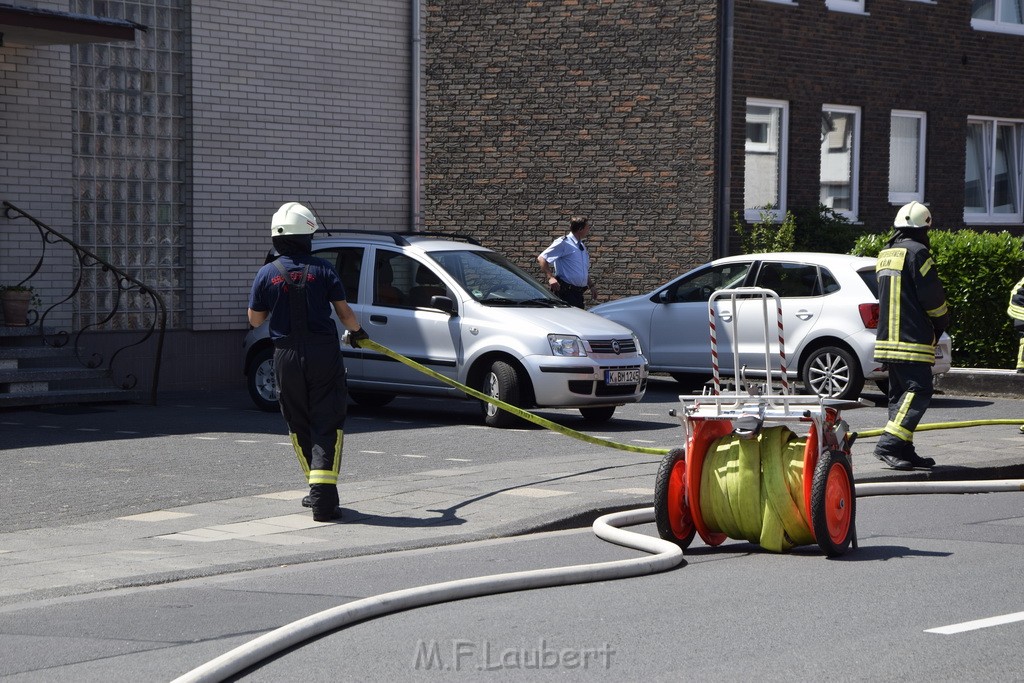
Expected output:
(467, 313)
(829, 315)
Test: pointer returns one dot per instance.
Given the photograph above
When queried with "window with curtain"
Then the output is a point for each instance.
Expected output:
(992, 171)
(1005, 16)
(851, 6)
(764, 175)
(840, 158)
(906, 156)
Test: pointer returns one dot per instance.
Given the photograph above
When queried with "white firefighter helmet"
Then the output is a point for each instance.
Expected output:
(913, 215)
(292, 219)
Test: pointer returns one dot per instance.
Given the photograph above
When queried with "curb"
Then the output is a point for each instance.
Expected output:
(981, 382)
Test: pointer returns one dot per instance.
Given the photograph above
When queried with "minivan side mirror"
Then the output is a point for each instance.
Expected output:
(443, 303)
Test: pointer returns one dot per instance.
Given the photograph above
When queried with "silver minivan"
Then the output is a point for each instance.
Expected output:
(468, 313)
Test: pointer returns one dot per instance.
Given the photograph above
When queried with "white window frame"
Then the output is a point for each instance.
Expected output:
(990, 217)
(848, 6)
(855, 143)
(997, 25)
(779, 144)
(901, 198)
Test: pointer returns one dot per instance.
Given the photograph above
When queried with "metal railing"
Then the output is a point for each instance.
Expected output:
(124, 284)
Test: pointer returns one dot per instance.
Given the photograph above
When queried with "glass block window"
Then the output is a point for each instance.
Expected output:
(128, 177)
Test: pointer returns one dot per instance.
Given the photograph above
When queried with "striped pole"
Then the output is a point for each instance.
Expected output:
(714, 348)
(782, 347)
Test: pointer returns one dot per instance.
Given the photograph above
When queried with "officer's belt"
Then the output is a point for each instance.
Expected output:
(571, 287)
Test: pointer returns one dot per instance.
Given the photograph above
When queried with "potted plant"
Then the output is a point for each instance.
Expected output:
(16, 301)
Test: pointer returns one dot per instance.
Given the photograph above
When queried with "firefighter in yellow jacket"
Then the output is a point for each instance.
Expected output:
(1016, 311)
(912, 316)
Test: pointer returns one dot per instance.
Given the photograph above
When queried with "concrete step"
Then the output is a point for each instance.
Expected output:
(69, 397)
(14, 376)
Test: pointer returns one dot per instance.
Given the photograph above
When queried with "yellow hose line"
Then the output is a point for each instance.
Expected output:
(867, 433)
(536, 419)
(555, 427)
(752, 489)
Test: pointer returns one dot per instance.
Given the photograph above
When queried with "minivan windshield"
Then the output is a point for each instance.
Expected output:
(493, 280)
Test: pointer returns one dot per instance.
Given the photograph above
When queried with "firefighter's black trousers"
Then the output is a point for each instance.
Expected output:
(910, 394)
(310, 377)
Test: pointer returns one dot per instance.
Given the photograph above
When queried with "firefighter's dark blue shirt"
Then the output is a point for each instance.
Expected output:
(269, 293)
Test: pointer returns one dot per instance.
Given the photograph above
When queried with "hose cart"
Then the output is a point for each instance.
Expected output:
(760, 465)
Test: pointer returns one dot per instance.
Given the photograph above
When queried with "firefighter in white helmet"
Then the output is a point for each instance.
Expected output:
(912, 316)
(297, 292)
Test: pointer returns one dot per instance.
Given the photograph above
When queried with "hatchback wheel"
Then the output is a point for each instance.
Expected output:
(832, 372)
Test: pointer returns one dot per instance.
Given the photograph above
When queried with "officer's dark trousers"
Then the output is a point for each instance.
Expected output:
(310, 377)
(910, 393)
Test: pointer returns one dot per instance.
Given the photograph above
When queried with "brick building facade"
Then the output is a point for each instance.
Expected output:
(924, 59)
(536, 111)
(170, 153)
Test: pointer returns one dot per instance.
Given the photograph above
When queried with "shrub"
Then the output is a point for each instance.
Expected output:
(823, 230)
(977, 270)
(767, 234)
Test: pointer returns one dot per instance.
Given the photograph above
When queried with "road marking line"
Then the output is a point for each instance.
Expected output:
(977, 623)
(207, 438)
(410, 455)
(534, 492)
(458, 460)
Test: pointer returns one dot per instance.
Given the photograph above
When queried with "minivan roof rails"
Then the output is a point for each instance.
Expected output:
(399, 238)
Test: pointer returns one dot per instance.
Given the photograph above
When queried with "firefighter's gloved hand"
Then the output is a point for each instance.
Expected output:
(353, 338)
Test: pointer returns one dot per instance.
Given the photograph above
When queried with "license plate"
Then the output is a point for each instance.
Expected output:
(619, 377)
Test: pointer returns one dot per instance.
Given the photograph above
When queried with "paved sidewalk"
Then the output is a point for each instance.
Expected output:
(430, 508)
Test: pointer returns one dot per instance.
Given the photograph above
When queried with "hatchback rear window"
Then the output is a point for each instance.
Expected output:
(869, 278)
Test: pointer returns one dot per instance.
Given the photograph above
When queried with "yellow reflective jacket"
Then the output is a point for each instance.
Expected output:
(912, 304)
(1016, 309)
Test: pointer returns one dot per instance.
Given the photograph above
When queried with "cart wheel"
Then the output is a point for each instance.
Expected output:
(671, 513)
(833, 503)
(701, 438)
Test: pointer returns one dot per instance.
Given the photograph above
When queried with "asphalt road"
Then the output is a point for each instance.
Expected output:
(731, 613)
(80, 463)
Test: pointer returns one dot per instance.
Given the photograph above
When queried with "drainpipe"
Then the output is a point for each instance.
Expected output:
(414, 121)
(721, 246)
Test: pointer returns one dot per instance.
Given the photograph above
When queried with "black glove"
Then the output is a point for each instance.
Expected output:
(355, 337)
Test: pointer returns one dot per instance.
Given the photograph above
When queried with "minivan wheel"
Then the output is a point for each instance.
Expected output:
(261, 381)
(500, 382)
(832, 372)
(598, 414)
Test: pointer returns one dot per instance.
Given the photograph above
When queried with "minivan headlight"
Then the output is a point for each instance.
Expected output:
(636, 340)
(566, 345)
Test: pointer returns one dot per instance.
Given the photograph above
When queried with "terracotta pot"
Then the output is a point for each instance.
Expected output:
(16, 308)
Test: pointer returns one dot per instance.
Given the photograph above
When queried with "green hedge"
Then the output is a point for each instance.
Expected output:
(977, 270)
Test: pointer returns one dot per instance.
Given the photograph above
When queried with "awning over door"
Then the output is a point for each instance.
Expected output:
(29, 26)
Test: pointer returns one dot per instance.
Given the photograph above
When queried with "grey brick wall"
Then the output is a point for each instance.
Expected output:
(300, 101)
(536, 111)
(35, 165)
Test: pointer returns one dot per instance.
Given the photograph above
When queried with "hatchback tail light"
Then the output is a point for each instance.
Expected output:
(869, 315)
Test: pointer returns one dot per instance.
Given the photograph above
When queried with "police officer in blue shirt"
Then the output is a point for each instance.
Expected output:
(297, 292)
(571, 261)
